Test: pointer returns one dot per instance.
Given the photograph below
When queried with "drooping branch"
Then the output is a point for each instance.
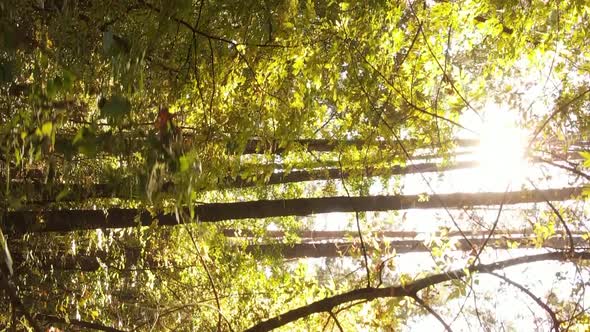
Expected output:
(410, 289)
(432, 312)
(71, 220)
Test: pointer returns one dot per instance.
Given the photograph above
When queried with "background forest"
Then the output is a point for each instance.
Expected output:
(193, 165)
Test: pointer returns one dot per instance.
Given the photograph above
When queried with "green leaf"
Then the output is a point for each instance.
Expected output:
(115, 109)
(63, 194)
(184, 163)
(58, 82)
(51, 89)
(46, 129)
(68, 80)
(298, 64)
(85, 141)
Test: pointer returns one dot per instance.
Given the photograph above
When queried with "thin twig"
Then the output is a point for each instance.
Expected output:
(358, 227)
(491, 233)
(554, 113)
(564, 167)
(440, 66)
(336, 321)
(209, 276)
(432, 312)
(556, 321)
(559, 216)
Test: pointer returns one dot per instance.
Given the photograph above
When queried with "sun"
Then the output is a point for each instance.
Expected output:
(502, 149)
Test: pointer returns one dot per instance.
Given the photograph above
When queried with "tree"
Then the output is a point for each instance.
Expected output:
(71, 220)
(276, 113)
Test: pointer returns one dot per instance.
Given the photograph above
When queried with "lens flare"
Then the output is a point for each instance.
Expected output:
(501, 152)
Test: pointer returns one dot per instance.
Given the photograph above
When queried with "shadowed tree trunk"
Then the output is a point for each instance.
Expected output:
(71, 220)
(118, 144)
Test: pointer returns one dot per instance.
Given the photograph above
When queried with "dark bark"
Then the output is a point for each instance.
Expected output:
(71, 220)
(123, 144)
(409, 290)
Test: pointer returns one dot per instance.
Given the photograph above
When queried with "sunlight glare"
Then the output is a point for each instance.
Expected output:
(501, 153)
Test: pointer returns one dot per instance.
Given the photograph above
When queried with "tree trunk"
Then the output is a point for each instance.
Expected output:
(119, 144)
(48, 193)
(89, 263)
(339, 249)
(71, 220)
(335, 173)
(314, 236)
(38, 192)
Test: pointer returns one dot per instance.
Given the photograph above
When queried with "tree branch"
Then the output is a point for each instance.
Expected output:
(535, 298)
(432, 312)
(407, 290)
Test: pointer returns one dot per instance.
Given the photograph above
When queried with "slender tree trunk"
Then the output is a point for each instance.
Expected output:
(38, 192)
(96, 260)
(311, 236)
(338, 249)
(117, 144)
(335, 173)
(71, 220)
(48, 193)
(90, 263)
